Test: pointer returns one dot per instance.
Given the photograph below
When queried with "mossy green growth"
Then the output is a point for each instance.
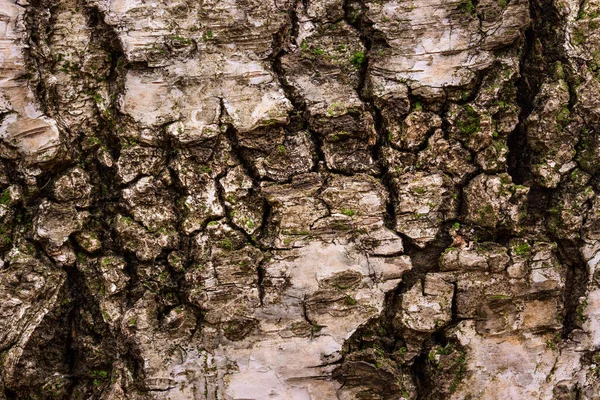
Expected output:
(357, 59)
(100, 376)
(226, 244)
(5, 197)
(348, 212)
(453, 359)
(487, 215)
(578, 37)
(559, 72)
(182, 40)
(461, 369)
(98, 98)
(563, 117)
(351, 301)
(467, 7)
(522, 249)
(449, 249)
(470, 123)
(580, 311)
(586, 155)
(5, 240)
(553, 342)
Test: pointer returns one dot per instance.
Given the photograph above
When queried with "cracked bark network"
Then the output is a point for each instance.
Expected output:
(317, 199)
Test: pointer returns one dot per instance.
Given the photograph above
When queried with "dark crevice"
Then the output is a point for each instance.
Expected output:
(424, 260)
(541, 51)
(576, 284)
(79, 298)
(518, 154)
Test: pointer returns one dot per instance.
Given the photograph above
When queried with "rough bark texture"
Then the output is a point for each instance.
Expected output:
(285, 199)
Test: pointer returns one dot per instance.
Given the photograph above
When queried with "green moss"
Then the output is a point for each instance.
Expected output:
(100, 376)
(5, 197)
(578, 37)
(461, 369)
(470, 123)
(226, 244)
(500, 146)
(98, 98)
(522, 249)
(563, 117)
(5, 240)
(467, 7)
(127, 143)
(348, 212)
(559, 72)
(351, 301)
(487, 216)
(317, 51)
(68, 67)
(163, 276)
(552, 343)
(230, 198)
(336, 108)
(94, 141)
(182, 40)
(357, 59)
(580, 309)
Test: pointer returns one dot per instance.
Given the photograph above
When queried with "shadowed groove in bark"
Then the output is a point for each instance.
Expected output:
(79, 298)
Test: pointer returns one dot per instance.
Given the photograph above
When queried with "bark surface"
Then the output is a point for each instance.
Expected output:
(285, 199)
